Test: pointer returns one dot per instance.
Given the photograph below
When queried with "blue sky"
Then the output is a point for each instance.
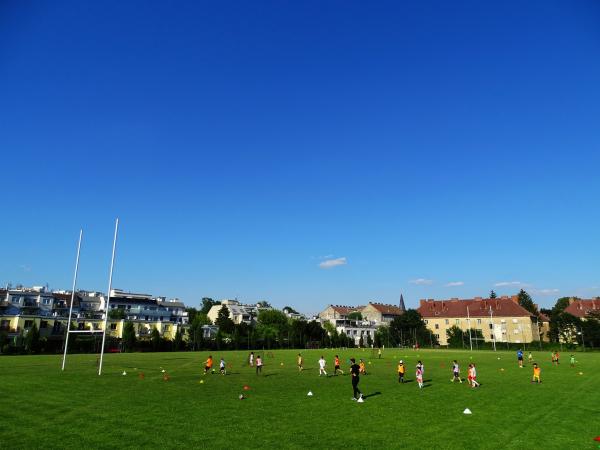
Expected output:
(438, 149)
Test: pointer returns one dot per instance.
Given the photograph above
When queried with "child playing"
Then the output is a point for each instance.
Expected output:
(455, 372)
(251, 359)
(572, 360)
(473, 376)
(322, 364)
(222, 367)
(530, 357)
(363, 368)
(536, 374)
(336, 366)
(208, 364)
(401, 371)
(300, 363)
(259, 364)
(419, 376)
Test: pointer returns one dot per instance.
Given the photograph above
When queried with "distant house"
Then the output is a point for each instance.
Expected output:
(583, 308)
(381, 314)
(500, 319)
(238, 312)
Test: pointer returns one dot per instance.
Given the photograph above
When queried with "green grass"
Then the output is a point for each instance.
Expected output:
(43, 407)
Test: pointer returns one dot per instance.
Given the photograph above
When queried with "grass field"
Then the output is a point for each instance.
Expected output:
(42, 407)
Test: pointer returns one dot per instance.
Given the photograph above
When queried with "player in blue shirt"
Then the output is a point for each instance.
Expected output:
(520, 357)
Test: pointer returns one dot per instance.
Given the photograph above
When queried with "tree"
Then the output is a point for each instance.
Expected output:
(355, 315)
(208, 303)
(155, 339)
(272, 317)
(128, 337)
(410, 328)
(290, 310)
(225, 324)
(493, 294)
(191, 314)
(561, 305)
(564, 327)
(32, 340)
(526, 302)
(455, 337)
(195, 332)
(263, 304)
(178, 340)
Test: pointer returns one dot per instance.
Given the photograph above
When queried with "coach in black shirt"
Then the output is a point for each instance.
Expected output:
(355, 371)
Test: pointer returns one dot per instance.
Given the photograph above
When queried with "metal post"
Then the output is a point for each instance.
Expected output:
(469, 325)
(492, 328)
(112, 263)
(72, 299)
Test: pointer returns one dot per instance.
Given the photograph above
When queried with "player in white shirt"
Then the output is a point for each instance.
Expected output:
(322, 364)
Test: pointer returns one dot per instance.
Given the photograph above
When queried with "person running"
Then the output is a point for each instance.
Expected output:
(529, 357)
(208, 364)
(421, 366)
(336, 365)
(401, 371)
(537, 371)
(419, 376)
(379, 353)
(572, 360)
(520, 358)
(251, 359)
(363, 368)
(556, 358)
(222, 368)
(473, 376)
(300, 363)
(322, 364)
(455, 372)
(355, 372)
(259, 364)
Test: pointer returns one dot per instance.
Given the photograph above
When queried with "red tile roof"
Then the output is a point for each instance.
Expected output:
(345, 310)
(581, 308)
(478, 307)
(387, 309)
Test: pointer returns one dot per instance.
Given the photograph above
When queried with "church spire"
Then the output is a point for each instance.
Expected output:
(401, 304)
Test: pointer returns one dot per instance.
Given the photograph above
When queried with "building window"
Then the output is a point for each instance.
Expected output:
(46, 301)
(426, 322)
(167, 327)
(478, 321)
(437, 336)
(16, 299)
(491, 326)
(113, 326)
(437, 326)
(28, 324)
(447, 322)
(457, 321)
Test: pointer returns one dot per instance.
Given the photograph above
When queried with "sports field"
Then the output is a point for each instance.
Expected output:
(42, 407)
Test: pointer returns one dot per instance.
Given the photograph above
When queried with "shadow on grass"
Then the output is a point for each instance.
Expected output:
(372, 395)
(270, 375)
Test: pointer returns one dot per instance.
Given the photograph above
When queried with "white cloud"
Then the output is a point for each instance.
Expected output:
(421, 282)
(455, 283)
(329, 263)
(509, 283)
(545, 291)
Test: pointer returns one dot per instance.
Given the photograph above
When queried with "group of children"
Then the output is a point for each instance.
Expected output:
(360, 369)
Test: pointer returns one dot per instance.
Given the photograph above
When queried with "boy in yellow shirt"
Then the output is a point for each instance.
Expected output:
(536, 374)
(401, 371)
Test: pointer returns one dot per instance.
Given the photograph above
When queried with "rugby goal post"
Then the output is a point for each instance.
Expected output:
(106, 306)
